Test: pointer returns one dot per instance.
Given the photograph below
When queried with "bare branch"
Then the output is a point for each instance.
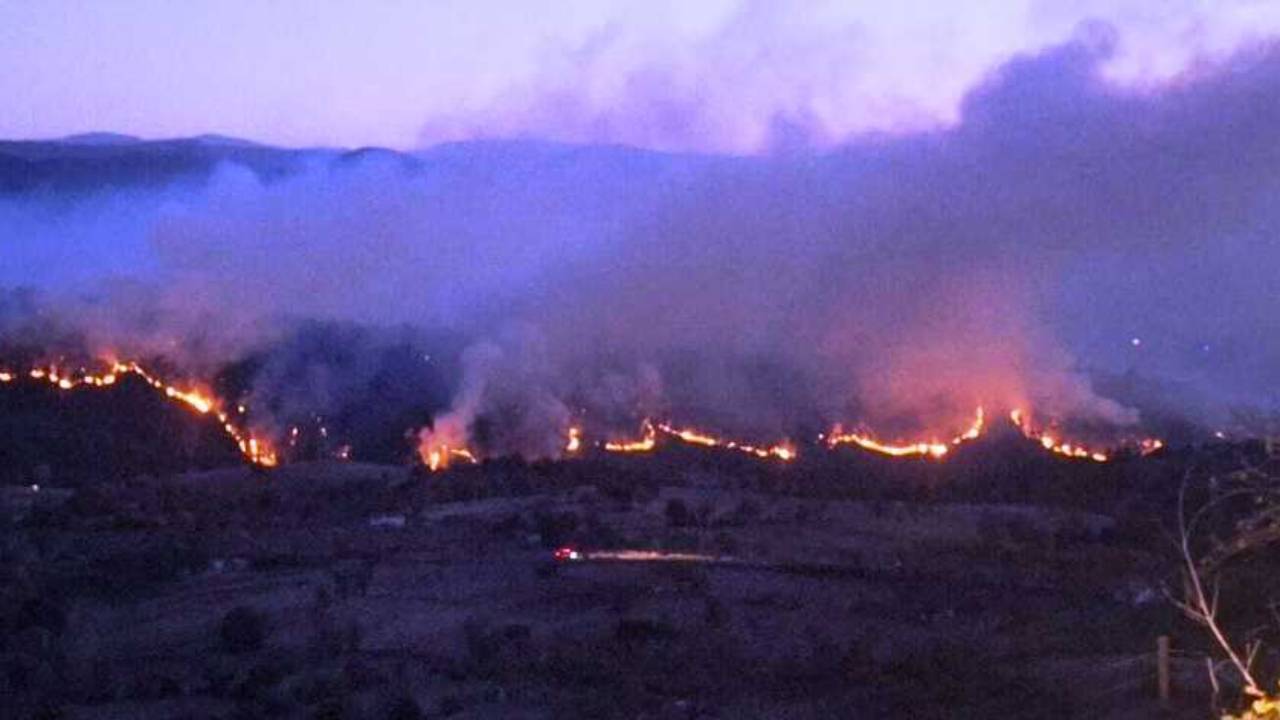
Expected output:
(1201, 608)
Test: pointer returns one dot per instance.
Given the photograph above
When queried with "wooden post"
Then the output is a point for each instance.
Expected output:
(1162, 668)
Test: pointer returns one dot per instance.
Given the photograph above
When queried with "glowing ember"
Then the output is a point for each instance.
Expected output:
(1150, 445)
(254, 449)
(932, 448)
(574, 444)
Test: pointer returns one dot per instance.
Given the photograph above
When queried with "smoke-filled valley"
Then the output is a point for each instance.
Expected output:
(1100, 259)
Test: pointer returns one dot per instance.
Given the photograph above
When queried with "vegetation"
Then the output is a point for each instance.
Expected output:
(848, 585)
(1228, 585)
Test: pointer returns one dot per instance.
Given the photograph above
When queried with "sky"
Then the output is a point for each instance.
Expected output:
(718, 76)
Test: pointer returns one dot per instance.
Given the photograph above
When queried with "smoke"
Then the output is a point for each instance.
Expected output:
(1063, 231)
(747, 76)
(507, 403)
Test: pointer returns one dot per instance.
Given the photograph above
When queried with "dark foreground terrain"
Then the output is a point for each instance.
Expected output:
(360, 591)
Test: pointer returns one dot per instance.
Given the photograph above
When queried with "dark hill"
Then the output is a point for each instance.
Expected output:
(87, 435)
(76, 166)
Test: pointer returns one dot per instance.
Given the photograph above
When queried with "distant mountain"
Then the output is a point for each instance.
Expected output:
(112, 138)
(225, 141)
(95, 162)
(98, 161)
(100, 138)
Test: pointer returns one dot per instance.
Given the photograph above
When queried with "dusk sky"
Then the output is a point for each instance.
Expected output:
(712, 75)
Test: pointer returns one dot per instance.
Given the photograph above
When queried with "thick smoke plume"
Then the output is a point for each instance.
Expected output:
(1064, 236)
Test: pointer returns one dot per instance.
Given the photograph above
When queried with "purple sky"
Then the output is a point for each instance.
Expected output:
(712, 75)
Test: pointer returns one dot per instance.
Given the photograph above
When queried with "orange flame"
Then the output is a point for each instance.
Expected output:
(440, 458)
(648, 441)
(254, 450)
(440, 454)
(781, 451)
(933, 448)
(1053, 444)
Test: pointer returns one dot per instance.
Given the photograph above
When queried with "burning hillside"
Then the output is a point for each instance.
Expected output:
(440, 456)
(448, 445)
(902, 295)
(254, 449)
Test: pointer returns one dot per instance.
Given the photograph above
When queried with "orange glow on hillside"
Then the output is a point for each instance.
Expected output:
(780, 451)
(441, 458)
(932, 448)
(254, 449)
(1052, 443)
(648, 440)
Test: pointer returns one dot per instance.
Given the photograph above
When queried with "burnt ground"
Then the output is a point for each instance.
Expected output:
(336, 590)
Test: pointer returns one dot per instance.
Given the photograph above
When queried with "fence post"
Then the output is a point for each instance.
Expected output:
(1162, 668)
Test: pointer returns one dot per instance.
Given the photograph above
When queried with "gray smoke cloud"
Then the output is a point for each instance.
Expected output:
(1065, 231)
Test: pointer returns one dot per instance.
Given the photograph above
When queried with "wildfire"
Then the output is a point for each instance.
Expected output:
(648, 440)
(255, 450)
(1053, 444)
(444, 456)
(694, 437)
(447, 450)
(438, 456)
(932, 448)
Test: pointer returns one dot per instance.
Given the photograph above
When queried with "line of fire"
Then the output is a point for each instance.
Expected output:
(257, 449)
